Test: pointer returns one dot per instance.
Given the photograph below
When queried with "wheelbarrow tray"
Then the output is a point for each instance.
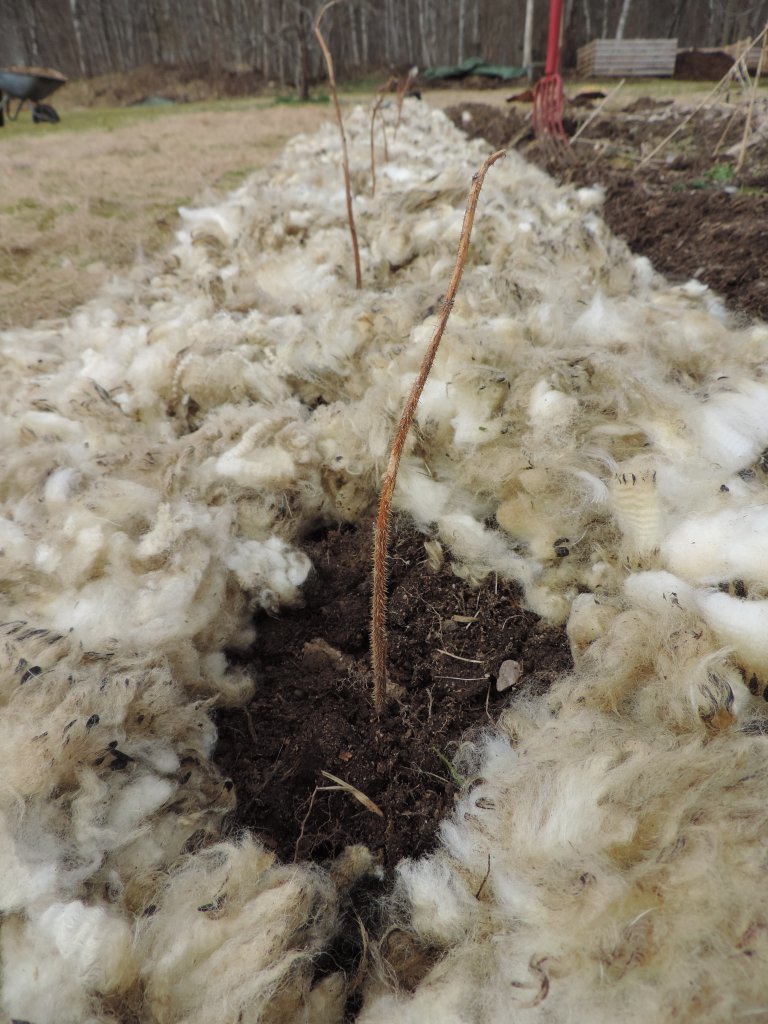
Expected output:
(30, 83)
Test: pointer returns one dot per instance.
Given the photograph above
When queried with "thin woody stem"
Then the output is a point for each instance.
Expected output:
(381, 92)
(381, 535)
(401, 91)
(679, 127)
(344, 154)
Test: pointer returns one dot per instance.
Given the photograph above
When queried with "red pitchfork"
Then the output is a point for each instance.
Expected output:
(548, 94)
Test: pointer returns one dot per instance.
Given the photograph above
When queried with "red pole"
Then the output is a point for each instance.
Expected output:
(553, 41)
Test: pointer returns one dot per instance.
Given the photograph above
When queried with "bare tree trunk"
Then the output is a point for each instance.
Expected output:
(364, 37)
(85, 37)
(410, 56)
(266, 56)
(388, 32)
(568, 13)
(425, 58)
(604, 26)
(281, 55)
(434, 45)
(587, 19)
(528, 39)
(33, 38)
(711, 24)
(78, 37)
(302, 55)
(676, 18)
(623, 18)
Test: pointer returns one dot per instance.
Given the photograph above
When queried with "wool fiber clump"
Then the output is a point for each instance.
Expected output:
(589, 432)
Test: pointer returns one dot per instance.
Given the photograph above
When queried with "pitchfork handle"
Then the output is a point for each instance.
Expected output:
(553, 42)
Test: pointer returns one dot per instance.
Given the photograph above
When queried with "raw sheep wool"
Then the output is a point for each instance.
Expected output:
(588, 430)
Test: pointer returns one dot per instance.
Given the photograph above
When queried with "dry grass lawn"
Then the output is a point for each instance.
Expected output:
(76, 205)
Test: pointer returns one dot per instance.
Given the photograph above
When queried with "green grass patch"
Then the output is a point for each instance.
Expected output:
(25, 204)
(291, 99)
(108, 209)
(12, 268)
(47, 220)
(720, 174)
(110, 119)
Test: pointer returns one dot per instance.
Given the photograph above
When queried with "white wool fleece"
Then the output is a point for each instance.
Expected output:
(589, 431)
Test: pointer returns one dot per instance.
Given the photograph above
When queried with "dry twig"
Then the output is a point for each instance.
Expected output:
(729, 122)
(704, 102)
(380, 94)
(401, 91)
(485, 879)
(344, 153)
(458, 657)
(358, 794)
(597, 111)
(304, 821)
(750, 110)
(381, 535)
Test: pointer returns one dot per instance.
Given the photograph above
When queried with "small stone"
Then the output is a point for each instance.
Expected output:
(510, 674)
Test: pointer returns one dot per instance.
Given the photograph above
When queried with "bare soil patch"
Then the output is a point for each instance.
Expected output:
(312, 710)
(690, 211)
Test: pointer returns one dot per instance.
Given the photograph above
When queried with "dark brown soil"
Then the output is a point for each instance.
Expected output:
(702, 65)
(690, 211)
(312, 709)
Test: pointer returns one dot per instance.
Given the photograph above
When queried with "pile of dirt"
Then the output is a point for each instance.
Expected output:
(702, 65)
(689, 210)
(499, 127)
(312, 710)
(179, 83)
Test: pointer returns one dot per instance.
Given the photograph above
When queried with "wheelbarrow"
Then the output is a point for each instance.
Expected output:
(33, 84)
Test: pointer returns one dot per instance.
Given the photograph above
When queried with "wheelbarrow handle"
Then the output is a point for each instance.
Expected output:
(553, 40)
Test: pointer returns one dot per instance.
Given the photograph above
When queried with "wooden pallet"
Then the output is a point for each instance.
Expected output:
(627, 58)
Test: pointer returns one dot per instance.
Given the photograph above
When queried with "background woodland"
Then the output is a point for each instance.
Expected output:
(273, 38)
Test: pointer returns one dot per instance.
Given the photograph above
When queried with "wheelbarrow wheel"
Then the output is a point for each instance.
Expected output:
(43, 113)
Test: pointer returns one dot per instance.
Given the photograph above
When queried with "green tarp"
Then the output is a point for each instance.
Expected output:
(475, 66)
